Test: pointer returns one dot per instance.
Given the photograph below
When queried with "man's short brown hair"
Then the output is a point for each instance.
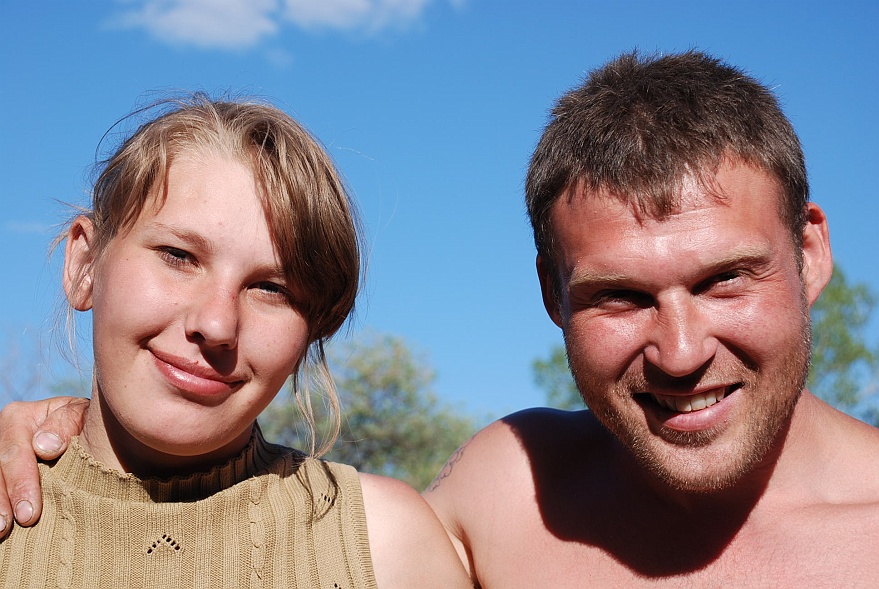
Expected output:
(639, 125)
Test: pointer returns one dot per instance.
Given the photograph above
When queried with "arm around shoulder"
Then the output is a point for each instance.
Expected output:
(31, 430)
(409, 546)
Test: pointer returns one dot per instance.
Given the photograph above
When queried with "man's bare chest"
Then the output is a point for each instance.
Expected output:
(811, 554)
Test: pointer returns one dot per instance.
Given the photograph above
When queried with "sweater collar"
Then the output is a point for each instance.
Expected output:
(81, 470)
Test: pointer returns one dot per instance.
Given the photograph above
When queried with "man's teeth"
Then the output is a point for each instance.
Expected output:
(691, 402)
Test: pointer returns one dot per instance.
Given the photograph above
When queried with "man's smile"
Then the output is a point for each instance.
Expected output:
(694, 402)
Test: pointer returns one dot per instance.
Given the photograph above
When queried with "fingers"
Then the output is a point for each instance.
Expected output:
(18, 465)
(29, 429)
(5, 510)
(65, 418)
(21, 480)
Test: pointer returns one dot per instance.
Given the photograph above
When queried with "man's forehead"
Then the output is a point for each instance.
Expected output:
(705, 187)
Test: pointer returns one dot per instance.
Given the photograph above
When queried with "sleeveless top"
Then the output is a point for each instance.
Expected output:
(271, 517)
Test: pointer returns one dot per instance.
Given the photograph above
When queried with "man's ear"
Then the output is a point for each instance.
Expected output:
(79, 263)
(817, 259)
(550, 300)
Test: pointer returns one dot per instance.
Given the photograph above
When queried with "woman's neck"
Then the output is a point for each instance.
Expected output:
(107, 440)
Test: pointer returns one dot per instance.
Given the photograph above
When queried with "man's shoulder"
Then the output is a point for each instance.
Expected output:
(837, 453)
(857, 449)
(563, 422)
(537, 432)
(491, 493)
(520, 447)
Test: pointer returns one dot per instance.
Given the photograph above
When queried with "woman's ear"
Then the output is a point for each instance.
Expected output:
(79, 263)
(817, 259)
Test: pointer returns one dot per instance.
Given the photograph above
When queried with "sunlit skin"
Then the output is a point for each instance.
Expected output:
(705, 310)
(703, 461)
(195, 328)
(711, 465)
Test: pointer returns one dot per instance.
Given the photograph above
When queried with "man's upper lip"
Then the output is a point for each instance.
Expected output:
(194, 368)
(687, 392)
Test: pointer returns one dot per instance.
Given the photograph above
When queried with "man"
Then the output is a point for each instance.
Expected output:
(679, 254)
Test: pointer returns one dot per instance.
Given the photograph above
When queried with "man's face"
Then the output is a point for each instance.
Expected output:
(688, 336)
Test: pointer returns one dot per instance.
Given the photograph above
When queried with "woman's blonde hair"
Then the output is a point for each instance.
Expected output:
(311, 217)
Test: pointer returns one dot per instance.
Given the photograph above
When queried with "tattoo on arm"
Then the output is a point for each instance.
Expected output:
(446, 470)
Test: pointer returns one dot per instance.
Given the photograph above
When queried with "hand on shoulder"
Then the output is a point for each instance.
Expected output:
(408, 543)
(28, 431)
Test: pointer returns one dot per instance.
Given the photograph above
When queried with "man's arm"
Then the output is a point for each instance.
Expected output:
(469, 495)
(31, 430)
(440, 497)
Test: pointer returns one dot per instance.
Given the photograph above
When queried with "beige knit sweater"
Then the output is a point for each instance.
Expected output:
(269, 518)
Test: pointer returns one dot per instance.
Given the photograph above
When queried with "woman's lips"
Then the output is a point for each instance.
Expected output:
(191, 377)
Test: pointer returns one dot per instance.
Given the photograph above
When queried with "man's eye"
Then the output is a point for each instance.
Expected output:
(725, 279)
(629, 298)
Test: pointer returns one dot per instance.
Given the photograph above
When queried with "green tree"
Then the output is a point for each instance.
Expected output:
(553, 376)
(844, 372)
(392, 424)
(841, 357)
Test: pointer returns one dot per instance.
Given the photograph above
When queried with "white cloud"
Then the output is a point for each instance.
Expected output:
(369, 15)
(235, 24)
(227, 24)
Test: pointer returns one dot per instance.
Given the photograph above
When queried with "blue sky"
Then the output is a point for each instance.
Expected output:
(431, 108)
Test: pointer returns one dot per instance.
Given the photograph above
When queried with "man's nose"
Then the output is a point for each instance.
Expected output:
(680, 338)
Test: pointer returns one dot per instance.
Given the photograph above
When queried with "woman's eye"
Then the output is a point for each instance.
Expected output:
(174, 256)
(274, 290)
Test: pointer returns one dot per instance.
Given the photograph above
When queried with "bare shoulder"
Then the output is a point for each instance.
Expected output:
(488, 486)
(497, 467)
(848, 458)
(826, 513)
(510, 446)
(409, 546)
(823, 507)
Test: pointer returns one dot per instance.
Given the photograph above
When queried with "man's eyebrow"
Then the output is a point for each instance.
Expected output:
(752, 256)
(192, 238)
(587, 277)
(749, 257)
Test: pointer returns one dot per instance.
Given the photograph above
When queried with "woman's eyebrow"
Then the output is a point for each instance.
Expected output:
(189, 236)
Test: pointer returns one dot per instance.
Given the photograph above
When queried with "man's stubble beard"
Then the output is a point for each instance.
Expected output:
(772, 399)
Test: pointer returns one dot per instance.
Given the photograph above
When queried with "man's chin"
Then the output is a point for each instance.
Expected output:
(698, 470)
(704, 483)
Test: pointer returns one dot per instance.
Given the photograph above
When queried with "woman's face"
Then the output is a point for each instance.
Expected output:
(195, 326)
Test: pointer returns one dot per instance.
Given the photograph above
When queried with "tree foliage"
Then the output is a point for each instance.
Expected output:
(842, 360)
(553, 376)
(392, 424)
(844, 372)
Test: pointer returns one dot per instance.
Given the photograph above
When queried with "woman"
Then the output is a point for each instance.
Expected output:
(220, 254)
